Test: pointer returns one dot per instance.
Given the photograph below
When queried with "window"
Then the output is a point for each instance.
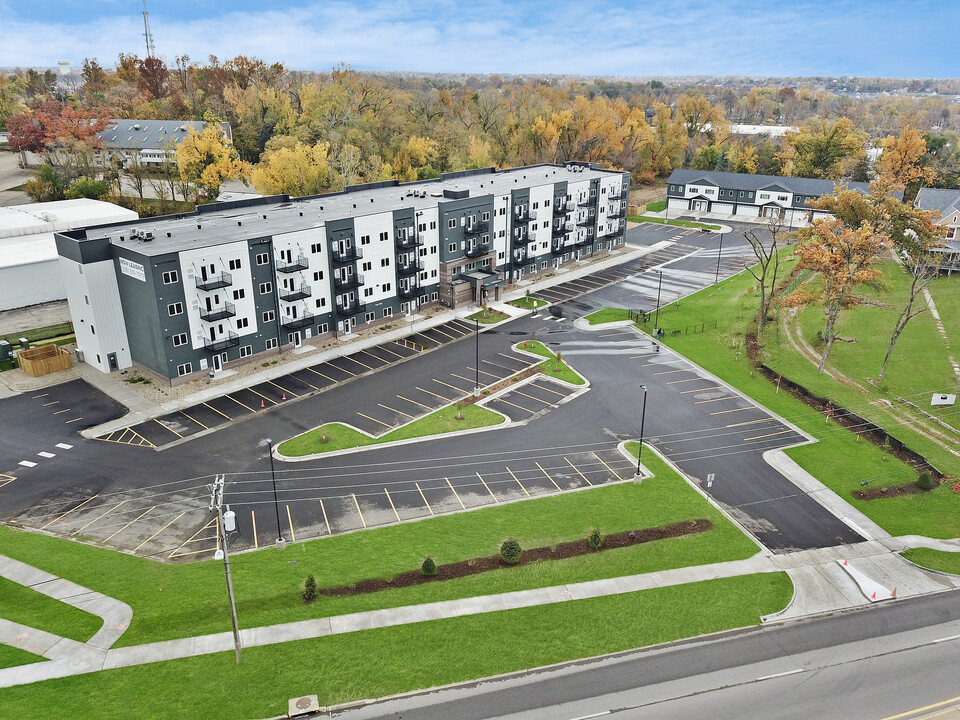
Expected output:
(546, 223)
(593, 192)
(364, 239)
(321, 302)
(242, 323)
(368, 292)
(709, 191)
(384, 262)
(485, 216)
(451, 223)
(263, 258)
(86, 299)
(387, 311)
(502, 211)
(93, 330)
(369, 317)
(246, 351)
(422, 227)
(367, 265)
(433, 273)
(322, 328)
(170, 277)
(318, 275)
(184, 369)
(782, 198)
(546, 203)
(384, 236)
(239, 294)
(175, 309)
(764, 196)
(316, 248)
(234, 264)
(433, 250)
(452, 247)
(435, 296)
(268, 316)
(386, 287)
(179, 339)
(603, 191)
(741, 193)
(271, 343)
(433, 224)
(266, 288)
(485, 239)
(536, 206)
(423, 252)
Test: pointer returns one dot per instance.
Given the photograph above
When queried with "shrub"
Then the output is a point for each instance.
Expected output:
(309, 593)
(925, 481)
(595, 540)
(87, 188)
(428, 568)
(510, 552)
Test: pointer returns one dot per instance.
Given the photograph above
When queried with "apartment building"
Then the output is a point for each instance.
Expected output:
(232, 282)
(947, 204)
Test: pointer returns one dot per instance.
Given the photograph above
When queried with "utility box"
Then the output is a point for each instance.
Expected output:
(4, 350)
(24, 344)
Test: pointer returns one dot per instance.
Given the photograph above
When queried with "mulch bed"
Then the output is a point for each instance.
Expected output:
(475, 566)
(886, 492)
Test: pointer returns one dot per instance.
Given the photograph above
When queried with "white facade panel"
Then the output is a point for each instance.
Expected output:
(94, 300)
(30, 284)
(374, 235)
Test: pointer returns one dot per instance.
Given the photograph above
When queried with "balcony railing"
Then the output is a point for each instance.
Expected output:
(231, 339)
(526, 216)
(612, 214)
(351, 308)
(409, 243)
(520, 235)
(298, 263)
(295, 323)
(560, 206)
(228, 309)
(348, 281)
(588, 221)
(584, 240)
(346, 255)
(298, 293)
(476, 228)
(215, 282)
(477, 250)
(558, 247)
(411, 291)
(519, 256)
(409, 268)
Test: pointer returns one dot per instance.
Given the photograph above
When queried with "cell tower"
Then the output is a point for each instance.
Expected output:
(147, 35)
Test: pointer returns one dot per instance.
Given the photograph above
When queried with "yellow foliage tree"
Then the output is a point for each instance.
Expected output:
(207, 159)
(293, 169)
(415, 153)
(901, 158)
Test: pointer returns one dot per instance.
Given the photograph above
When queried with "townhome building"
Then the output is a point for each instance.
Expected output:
(233, 282)
(947, 204)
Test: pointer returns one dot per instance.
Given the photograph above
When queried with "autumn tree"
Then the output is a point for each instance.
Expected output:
(823, 149)
(902, 160)
(766, 247)
(12, 98)
(293, 169)
(207, 159)
(64, 133)
(414, 155)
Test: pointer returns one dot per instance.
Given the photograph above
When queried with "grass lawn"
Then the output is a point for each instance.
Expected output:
(488, 316)
(528, 303)
(551, 367)
(678, 223)
(11, 657)
(658, 206)
(172, 601)
(838, 460)
(607, 315)
(379, 662)
(44, 333)
(341, 437)
(948, 562)
(28, 607)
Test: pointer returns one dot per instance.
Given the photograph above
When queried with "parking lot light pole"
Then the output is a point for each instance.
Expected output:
(643, 417)
(476, 388)
(273, 476)
(656, 322)
(719, 251)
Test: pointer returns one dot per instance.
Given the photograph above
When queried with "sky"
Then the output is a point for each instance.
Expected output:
(891, 38)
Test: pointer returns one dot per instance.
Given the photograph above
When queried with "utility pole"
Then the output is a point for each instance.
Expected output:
(719, 251)
(476, 387)
(659, 286)
(216, 500)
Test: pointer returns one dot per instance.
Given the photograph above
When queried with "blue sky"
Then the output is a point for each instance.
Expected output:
(902, 38)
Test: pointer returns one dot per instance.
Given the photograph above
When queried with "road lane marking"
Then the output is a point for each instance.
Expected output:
(283, 389)
(748, 422)
(392, 505)
(548, 477)
(488, 488)
(230, 397)
(725, 397)
(617, 334)
(351, 374)
(58, 412)
(685, 380)
(760, 437)
(922, 709)
(79, 530)
(578, 472)
(44, 527)
(353, 359)
(375, 420)
(379, 359)
(518, 482)
(160, 531)
(40, 396)
(317, 372)
(355, 502)
(6, 479)
(545, 402)
(483, 372)
(508, 369)
(45, 454)
(193, 538)
(520, 407)
(452, 387)
(73, 421)
(218, 412)
(452, 337)
(455, 494)
(781, 674)
(424, 497)
(293, 535)
(55, 402)
(325, 521)
(272, 402)
(469, 380)
(555, 392)
(670, 372)
(386, 349)
(167, 428)
(107, 539)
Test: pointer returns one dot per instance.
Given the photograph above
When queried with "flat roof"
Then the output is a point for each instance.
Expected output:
(274, 216)
(49, 217)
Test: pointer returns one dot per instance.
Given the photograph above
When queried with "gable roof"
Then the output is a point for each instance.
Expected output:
(743, 181)
(944, 202)
(150, 134)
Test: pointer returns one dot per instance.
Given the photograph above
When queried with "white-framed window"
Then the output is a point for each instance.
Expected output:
(242, 323)
(322, 328)
(268, 316)
(246, 351)
(593, 192)
(422, 227)
(385, 262)
(451, 223)
(170, 277)
(386, 287)
(175, 309)
(266, 288)
(364, 239)
(321, 302)
(369, 317)
(764, 196)
(452, 247)
(384, 236)
(485, 216)
(433, 224)
(387, 311)
(184, 369)
(271, 343)
(263, 258)
(234, 264)
(368, 292)
(435, 296)
(179, 339)
(239, 294)
(318, 275)
(708, 191)
(543, 265)
(316, 248)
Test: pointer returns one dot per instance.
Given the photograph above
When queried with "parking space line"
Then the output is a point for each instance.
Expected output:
(266, 399)
(73, 421)
(107, 539)
(317, 372)
(578, 472)
(399, 412)
(325, 521)
(351, 374)
(6, 479)
(62, 411)
(353, 359)
(760, 437)
(693, 379)
(725, 397)
(283, 388)
(436, 343)
(724, 412)
(512, 358)
(610, 469)
(425, 407)
(488, 488)
(365, 352)
(307, 384)
(392, 505)
(293, 535)
(715, 387)
(545, 402)
(375, 420)
(508, 369)
(455, 494)
(40, 396)
(218, 412)
(618, 334)
(240, 403)
(469, 380)
(386, 349)
(253, 523)
(452, 387)
(194, 538)
(44, 527)
(591, 279)
(160, 531)
(749, 422)
(195, 420)
(670, 372)
(521, 407)
(518, 482)
(467, 328)
(549, 390)
(78, 530)
(409, 345)
(166, 428)
(452, 337)
(55, 402)
(355, 502)
(548, 477)
(424, 498)
(445, 399)
(483, 372)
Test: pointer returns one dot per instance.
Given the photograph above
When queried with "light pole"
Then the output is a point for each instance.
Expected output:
(656, 321)
(476, 387)
(643, 417)
(273, 476)
(719, 252)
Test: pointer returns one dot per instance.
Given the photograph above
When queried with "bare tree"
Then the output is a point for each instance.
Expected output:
(767, 252)
(137, 172)
(921, 273)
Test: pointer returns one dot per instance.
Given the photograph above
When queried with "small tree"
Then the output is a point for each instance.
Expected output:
(310, 592)
(925, 481)
(460, 405)
(428, 568)
(510, 552)
(558, 362)
(87, 188)
(595, 540)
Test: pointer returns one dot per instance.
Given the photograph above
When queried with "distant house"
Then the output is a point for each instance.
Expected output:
(947, 203)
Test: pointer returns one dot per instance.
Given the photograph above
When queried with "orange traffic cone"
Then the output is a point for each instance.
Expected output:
(873, 597)
(894, 593)
(261, 404)
(844, 562)
(284, 396)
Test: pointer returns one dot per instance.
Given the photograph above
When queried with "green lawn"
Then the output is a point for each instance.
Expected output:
(488, 317)
(528, 303)
(11, 657)
(28, 607)
(44, 333)
(384, 661)
(341, 437)
(948, 562)
(658, 206)
(171, 601)
(607, 315)
(550, 366)
(672, 221)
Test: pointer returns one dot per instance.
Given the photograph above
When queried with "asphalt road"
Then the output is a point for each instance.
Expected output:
(864, 665)
(155, 503)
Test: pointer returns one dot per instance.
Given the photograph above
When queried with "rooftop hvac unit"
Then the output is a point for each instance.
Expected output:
(147, 236)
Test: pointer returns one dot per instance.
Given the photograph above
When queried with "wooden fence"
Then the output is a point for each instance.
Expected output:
(44, 360)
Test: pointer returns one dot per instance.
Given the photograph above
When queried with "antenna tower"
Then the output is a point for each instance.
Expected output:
(147, 35)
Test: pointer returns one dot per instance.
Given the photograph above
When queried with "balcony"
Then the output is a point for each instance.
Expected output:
(294, 294)
(295, 265)
(477, 251)
(519, 256)
(347, 281)
(295, 323)
(588, 221)
(411, 291)
(476, 228)
(526, 216)
(409, 243)
(231, 339)
(559, 206)
(346, 255)
(351, 308)
(215, 282)
(589, 201)
(558, 247)
(560, 231)
(409, 268)
(612, 214)
(228, 309)
(520, 235)
(584, 240)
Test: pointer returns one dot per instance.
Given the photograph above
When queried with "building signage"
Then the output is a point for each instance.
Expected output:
(132, 269)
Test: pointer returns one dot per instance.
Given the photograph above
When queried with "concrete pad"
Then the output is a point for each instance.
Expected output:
(871, 589)
(907, 577)
(816, 592)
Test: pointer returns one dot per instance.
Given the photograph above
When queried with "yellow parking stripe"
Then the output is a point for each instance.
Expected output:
(60, 517)
(428, 392)
(293, 535)
(749, 422)
(548, 477)
(272, 402)
(392, 505)
(351, 374)
(379, 359)
(386, 425)
(508, 369)
(353, 359)
(610, 469)
(167, 428)
(385, 349)
(452, 387)
(483, 372)
(578, 472)
(414, 402)
(283, 388)
(469, 380)
(545, 402)
(488, 488)
(518, 482)
(217, 411)
(694, 379)
(452, 337)
(424, 498)
(549, 390)
(355, 502)
(194, 538)
(107, 539)
(194, 420)
(399, 412)
(760, 437)
(55, 402)
(724, 412)
(670, 372)
(725, 397)
(520, 407)
(73, 421)
(317, 372)
(253, 522)
(231, 397)
(6, 479)
(455, 494)
(461, 325)
(160, 531)
(706, 389)
(325, 521)
(79, 530)
(58, 412)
